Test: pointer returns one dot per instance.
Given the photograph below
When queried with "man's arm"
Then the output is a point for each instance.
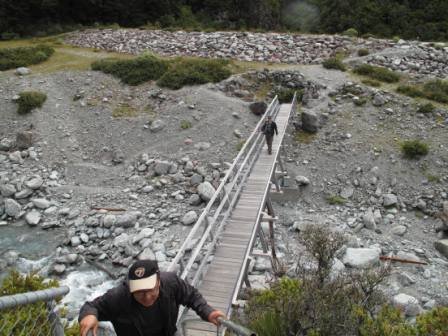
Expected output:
(275, 128)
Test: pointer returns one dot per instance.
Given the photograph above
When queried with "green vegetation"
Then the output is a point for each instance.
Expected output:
(35, 315)
(304, 137)
(286, 95)
(414, 149)
(377, 73)
(193, 72)
(335, 200)
(124, 110)
(29, 100)
(371, 82)
(334, 63)
(436, 90)
(426, 108)
(352, 32)
(133, 71)
(318, 302)
(185, 124)
(360, 102)
(363, 52)
(240, 145)
(11, 58)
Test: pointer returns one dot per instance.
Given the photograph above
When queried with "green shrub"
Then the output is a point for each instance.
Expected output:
(371, 82)
(436, 90)
(194, 71)
(352, 32)
(133, 71)
(285, 95)
(414, 149)
(363, 52)
(426, 108)
(240, 145)
(11, 58)
(185, 124)
(6, 36)
(334, 63)
(336, 200)
(378, 73)
(29, 100)
(434, 322)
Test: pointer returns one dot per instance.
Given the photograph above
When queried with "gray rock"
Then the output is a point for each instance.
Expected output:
(11, 257)
(109, 220)
(33, 217)
(379, 100)
(59, 268)
(146, 254)
(194, 200)
(369, 219)
(23, 71)
(34, 182)
(361, 257)
(399, 230)
(302, 180)
(258, 108)
(127, 219)
(189, 218)
(389, 200)
(24, 140)
(84, 238)
(347, 192)
(202, 146)
(442, 247)
(73, 213)
(7, 190)
(24, 193)
(12, 208)
(237, 133)
(122, 240)
(41, 203)
(6, 144)
(75, 241)
(408, 303)
(206, 191)
(196, 179)
(162, 167)
(310, 121)
(157, 125)
(16, 157)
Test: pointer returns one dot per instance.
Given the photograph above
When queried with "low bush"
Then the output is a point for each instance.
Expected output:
(285, 95)
(414, 149)
(185, 124)
(436, 90)
(352, 32)
(29, 100)
(360, 102)
(378, 73)
(334, 63)
(426, 108)
(11, 58)
(363, 52)
(193, 72)
(133, 71)
(335, 200)
(371, 82)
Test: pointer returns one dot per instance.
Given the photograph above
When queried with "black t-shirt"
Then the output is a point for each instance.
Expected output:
(151, 319)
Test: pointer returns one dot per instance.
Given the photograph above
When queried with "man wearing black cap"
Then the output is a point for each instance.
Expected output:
(147, 304)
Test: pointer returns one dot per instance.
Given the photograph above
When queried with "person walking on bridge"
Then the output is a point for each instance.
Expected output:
(146, 304)
(269, 128)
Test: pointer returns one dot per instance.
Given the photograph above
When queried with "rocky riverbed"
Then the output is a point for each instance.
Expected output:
(105, 173)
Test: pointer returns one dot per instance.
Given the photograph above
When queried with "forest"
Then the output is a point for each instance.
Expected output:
(409, 19)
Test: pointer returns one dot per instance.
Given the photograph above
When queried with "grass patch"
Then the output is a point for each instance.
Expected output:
(184, 72)
(371, 82)
(377, 73)
(286, 95)
(436, 90)
(433, 178)
(304, 137)
(11, 58)
(185, 124)
(352, 32)
(124, 110)
(133, 71)
(263, 90)
(414, 149)
(360, 102)
(426, 108)
(240, 145)
(29, 100)
(363, 52)
(335, 200)
(334, 63)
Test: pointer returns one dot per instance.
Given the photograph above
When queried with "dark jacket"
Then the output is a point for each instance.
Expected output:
(119, 306)
(269, 129)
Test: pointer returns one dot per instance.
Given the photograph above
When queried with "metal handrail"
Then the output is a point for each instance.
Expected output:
(233, 327)
(203, 219)
(12, 301)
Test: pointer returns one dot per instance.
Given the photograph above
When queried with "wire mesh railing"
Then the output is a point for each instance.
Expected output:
(32, 313)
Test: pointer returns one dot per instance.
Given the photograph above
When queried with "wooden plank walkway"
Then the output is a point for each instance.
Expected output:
(222, 275)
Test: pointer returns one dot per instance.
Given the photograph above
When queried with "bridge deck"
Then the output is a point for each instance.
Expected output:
(223, 273)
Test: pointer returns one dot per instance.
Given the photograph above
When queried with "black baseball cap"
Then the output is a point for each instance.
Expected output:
(143, 275)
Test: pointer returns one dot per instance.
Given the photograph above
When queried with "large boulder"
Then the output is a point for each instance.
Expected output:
(310, 121)
(258, 108)
(12, 208)
(206, 191)
(361, 257)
